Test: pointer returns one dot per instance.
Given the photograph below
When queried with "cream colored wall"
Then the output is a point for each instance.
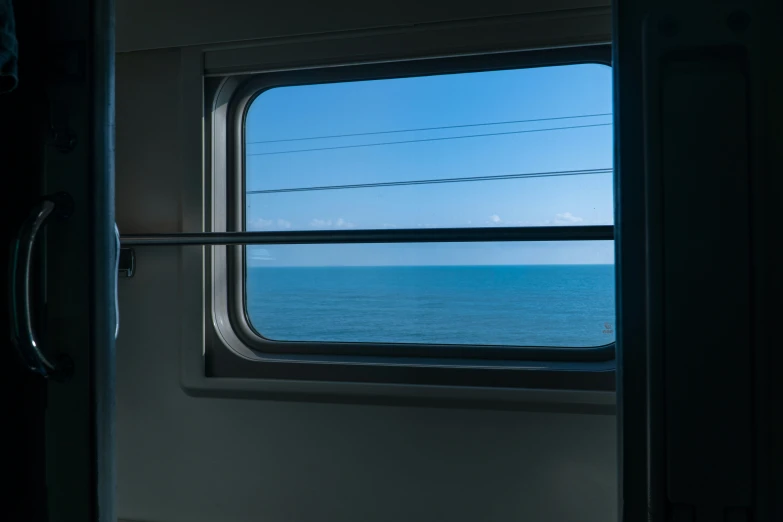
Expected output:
(188, 459)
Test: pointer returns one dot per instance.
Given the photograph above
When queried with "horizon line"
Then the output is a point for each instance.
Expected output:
(262, 265)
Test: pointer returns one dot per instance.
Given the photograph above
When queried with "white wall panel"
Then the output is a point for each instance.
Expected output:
(187, 459)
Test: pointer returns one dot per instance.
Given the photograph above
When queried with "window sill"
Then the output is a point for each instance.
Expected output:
(219, 371)
(571, 401)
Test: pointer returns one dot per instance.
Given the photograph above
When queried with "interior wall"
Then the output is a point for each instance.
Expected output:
(153, 24)
(187, 459)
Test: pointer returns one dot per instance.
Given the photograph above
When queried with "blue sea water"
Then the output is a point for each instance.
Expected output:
(532, 305)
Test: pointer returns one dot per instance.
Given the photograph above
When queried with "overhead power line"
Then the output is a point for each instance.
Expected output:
(436, 181)
(428, 139)
(422, 129)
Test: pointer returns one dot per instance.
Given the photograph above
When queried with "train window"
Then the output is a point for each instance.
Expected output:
(422, 214)
(527, 147)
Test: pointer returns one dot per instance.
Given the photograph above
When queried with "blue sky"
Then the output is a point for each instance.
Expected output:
(472, 101)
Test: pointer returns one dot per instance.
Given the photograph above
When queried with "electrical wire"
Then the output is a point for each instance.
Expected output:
(427, 139)
(435, 181)
(421, 129)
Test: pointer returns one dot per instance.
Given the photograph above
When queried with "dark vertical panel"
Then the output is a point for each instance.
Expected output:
(767, 197)
(80, 252)
(712, 196)
(707, 337)
(630, 260)
(687, 402)
(102, 267)
(22, 394)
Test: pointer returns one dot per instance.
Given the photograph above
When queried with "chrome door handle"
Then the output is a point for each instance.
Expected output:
(20, 307)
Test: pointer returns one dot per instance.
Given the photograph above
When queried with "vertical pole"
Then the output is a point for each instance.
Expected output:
(102, 258)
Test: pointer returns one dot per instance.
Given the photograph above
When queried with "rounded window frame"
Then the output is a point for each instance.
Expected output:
(235, 349)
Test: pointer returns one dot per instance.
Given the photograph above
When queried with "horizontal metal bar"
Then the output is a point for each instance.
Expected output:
(407, 235)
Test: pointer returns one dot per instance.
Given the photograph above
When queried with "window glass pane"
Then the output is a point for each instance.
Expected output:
(528, 147)
(451, 293)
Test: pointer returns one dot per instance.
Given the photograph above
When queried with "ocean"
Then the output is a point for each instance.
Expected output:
(531, 305)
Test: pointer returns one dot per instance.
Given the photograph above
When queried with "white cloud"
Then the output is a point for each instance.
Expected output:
(260, 254)
(259, 224)
(268, 224)
(331, 223)
(566, 218)
(495, 218)
(341, 223)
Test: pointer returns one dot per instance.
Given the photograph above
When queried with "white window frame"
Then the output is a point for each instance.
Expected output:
(228, 364)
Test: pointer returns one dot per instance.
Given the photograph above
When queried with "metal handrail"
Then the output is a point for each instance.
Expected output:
(408, 235)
